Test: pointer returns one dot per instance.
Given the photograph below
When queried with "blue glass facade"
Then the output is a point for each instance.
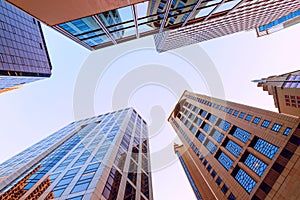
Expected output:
(78, 154)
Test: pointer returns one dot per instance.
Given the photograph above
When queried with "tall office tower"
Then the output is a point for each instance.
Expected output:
(23, 53)
(175, 23)
(234, 151)
(285, 90)
(103, 157)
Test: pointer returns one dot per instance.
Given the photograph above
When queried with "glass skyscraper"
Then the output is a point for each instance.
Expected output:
(103, 157)
(233, 151)
(174, 23)
(23, 53)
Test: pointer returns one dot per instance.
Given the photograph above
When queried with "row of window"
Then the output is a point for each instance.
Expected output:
(205, 162)
(242, 115)
(293, 101)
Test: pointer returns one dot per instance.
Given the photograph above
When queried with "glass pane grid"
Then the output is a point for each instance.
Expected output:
(255, 164)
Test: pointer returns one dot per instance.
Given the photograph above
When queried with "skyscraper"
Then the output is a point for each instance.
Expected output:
(234, 151)
(174, 23)
(23, 54)
(285, 89)
(103, 157)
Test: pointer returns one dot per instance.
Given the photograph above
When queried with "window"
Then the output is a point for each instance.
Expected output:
(230, 111)
(236, 112)
(206, 128)
(198, 121)
(219, 180)
(242, 115)
(224, 125)
(266, 148)
(76, 198)
(208, 168)
(265, 123)
(287, 131)
(248, 118)
(201, 137)
(225, 161)
(276, 127)
(233, 148)
(211, 147)
(205, 162)
(224, 189)
(231, 197)
(241, 134)
(256, 164)
(212, 118)
(245, 180)
(256, 120)
(203, 113)
(217, 136)
(213, 174)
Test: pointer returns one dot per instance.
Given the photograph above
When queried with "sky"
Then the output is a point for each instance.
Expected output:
(85, 83)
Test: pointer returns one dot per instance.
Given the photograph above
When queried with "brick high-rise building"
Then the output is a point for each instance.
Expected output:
(23, 54)
(175, 23)
(103, 157)
(234, 151)
(285, 89)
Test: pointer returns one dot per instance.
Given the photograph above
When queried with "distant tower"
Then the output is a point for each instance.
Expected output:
(285, 89)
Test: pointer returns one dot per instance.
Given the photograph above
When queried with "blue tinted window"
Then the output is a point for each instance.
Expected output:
(242, 135)
(256, 120)
(248, 118)
(76, 198)
(211, 147)
(266, 148)
(224, 189)
(193, 129)
(236, 112)
(276, 127)
(233, 148)
(245, 180)
(219, 180)
(224, 125)
(212, 118)
(287, 131)
(201, 137)
(230, 111)
(242, 115)
(203, 113)
(255, 164)
(225, 161)
(198, 121)
(217, 136)
(206, 128)
(265, 123)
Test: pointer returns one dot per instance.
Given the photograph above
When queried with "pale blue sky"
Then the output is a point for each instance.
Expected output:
(35, 111)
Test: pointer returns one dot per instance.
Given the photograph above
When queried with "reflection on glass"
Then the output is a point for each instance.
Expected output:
(227, 6)
(204, 12)
(87, 30)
